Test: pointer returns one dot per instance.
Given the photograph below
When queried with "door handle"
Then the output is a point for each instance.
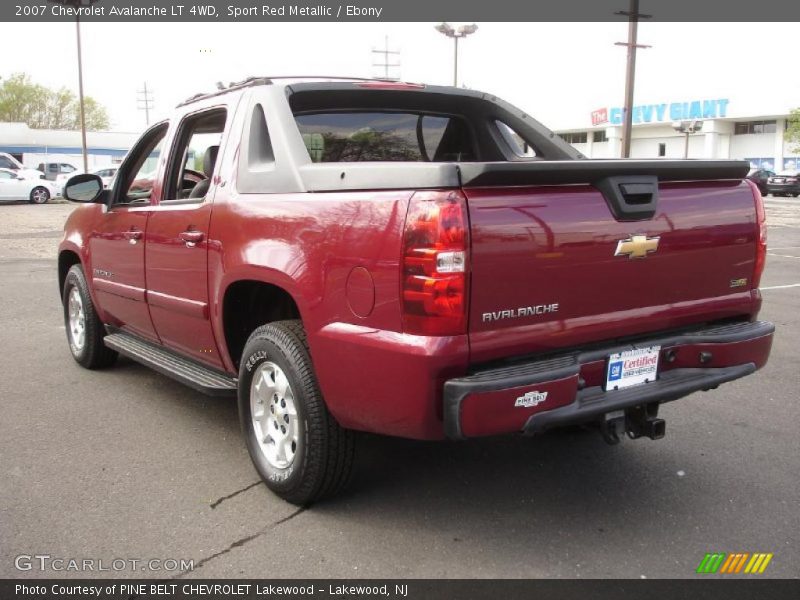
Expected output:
(132, 235)
(191, 237)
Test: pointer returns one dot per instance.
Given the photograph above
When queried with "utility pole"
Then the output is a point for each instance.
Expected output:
(630, 73)
(80, 96)
(386, 64)
(144, 101)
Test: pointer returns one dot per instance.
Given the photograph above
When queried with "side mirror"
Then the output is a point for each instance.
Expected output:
(83, 188)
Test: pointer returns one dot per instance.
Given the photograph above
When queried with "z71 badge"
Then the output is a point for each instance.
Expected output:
(530, 399)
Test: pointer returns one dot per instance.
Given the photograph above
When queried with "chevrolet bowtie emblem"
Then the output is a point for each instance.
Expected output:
(637, 246)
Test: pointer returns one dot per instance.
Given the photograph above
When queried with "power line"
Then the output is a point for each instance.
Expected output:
(386, 64)
(145, 102)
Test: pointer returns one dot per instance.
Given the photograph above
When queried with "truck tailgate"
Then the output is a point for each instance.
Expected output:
(552, 267)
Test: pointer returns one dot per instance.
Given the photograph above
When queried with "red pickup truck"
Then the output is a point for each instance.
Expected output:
(410, 260)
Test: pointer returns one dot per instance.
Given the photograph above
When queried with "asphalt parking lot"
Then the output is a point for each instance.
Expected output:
(126, 464)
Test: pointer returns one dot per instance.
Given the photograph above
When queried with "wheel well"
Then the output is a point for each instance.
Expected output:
(65, 262)
(248, 305)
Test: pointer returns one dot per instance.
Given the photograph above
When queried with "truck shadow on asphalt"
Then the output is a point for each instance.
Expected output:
(565, 475)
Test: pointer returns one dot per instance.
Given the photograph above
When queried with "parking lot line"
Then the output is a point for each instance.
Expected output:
(781, 287)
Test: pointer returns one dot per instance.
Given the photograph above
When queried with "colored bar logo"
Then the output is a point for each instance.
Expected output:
(736, 562)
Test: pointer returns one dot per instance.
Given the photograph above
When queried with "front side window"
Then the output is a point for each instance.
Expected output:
(6, 163)
(385, 136)
(140, 169)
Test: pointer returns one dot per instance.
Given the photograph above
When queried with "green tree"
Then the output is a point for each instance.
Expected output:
(792, 134)
(23, 101)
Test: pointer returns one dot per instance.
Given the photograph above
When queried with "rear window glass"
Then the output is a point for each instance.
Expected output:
(384, 136)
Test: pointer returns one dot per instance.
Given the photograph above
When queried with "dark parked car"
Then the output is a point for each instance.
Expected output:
(760, 177)
(785, 183)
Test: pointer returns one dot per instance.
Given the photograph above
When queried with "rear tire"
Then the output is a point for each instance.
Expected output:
(39, 195)
(85, 332)
(297, 447)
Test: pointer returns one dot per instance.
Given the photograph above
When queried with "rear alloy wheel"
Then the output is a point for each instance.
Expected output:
(296, 445)
(40, 195)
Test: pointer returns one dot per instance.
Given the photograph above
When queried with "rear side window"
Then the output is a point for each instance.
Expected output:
(515, 141)
(385, 136)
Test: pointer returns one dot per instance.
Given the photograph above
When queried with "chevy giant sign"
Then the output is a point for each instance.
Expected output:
(656, 113)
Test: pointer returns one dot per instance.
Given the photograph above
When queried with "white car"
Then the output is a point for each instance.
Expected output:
(9, 162)
(105, 173)
(14, 186)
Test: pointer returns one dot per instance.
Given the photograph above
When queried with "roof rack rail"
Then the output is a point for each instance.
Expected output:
(251, 81)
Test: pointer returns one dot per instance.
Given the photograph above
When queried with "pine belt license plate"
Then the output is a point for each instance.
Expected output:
(632, 367)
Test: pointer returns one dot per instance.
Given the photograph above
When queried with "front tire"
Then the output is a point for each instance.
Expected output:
(85, 332)
(298, 448)
(39, 195)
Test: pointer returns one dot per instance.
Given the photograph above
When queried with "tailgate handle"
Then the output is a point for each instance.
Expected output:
(630, 198)
(637, 193)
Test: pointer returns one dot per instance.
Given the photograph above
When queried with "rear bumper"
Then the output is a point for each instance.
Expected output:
(569, 389)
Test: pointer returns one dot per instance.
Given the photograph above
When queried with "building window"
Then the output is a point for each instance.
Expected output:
(755, 127)
(662, 149)
(579, 137)
(599, 136)
(762, 163)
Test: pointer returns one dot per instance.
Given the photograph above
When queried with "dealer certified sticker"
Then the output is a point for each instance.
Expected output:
(632, 367)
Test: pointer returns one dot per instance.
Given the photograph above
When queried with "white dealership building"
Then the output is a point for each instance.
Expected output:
(34, 146)
(723, 130)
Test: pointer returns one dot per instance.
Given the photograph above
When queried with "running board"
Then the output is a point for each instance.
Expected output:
(188, 372)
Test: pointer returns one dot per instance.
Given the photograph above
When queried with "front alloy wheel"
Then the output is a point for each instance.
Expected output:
(76, 321)
(85, 332)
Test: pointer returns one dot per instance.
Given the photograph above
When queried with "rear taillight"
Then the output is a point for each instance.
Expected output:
(761, 242)
(434, 279)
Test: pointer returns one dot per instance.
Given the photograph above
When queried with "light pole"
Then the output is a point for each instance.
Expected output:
(456, 34)
(686, 128)
(78, 4)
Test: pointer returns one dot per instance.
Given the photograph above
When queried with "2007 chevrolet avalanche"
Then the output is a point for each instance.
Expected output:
(418, 261)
